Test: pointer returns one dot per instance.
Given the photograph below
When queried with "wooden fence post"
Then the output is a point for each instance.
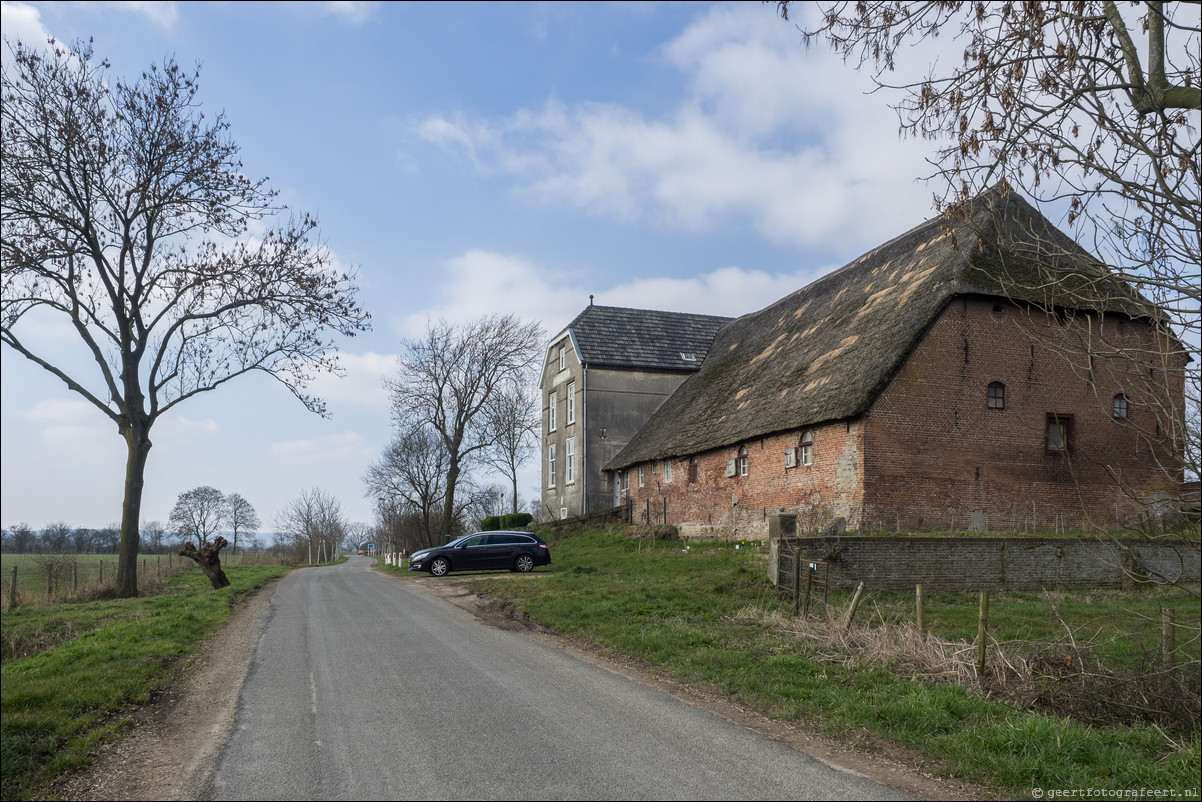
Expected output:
(805, 607)
(796, 580)
(855, 604)
(74, 577)
(918, 602)
(1168, 636)
(982, 628)
(12, 591)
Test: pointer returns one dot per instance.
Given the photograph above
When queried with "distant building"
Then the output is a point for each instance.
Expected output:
(604, 376)
(976, 372)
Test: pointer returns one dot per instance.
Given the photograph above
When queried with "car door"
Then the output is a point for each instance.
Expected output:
(471, 554)
(502, 548)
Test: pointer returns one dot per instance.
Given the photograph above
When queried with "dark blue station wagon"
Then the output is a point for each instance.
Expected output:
(482, 551)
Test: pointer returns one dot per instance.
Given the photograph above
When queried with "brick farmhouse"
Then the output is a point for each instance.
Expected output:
(981, 371)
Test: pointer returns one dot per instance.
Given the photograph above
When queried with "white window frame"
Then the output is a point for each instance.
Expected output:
(667, 470)
(552, 418)
(551, 465)
(569, 461)
(640, 476)
(563, 358)
(571, 402)
(806, 449)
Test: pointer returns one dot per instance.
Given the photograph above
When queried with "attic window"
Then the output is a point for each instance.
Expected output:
(741, 463)
(688, 357)
(807, 448)
(1059, 438)
(996, 396)
(563, 359)
(1122, 407)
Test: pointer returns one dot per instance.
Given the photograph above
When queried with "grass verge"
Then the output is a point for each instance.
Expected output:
(708, 615)
(73, 672)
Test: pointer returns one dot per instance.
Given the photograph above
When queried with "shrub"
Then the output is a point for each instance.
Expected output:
(516, 520)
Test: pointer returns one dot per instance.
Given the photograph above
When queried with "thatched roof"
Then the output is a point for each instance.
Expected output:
(826, 351)
(614, 336)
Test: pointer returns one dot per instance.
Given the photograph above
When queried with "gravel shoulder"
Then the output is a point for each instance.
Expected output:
(172, 748)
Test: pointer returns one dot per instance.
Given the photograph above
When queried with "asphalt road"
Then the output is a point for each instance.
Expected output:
(365, 688)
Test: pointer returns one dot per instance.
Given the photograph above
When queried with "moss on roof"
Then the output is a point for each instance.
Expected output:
(824, 352)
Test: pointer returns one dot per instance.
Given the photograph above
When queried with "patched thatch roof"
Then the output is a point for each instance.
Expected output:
(825, 352)
(614, 336)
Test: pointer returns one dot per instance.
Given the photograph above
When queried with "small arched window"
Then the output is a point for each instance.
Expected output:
(1121, 407)
(742, 464)
(996, 398)
(807, 448)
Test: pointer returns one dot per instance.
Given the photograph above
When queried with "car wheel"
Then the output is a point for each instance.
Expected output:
(524, 564)
(441, 566)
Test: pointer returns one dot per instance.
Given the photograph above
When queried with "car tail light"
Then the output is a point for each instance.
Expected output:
(542, 545)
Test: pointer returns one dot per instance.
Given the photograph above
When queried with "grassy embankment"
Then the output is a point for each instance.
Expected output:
(708, 615)
(73, 672)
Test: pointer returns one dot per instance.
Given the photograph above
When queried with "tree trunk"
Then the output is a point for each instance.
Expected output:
(138, 444)
(448, 503)
(209, 560)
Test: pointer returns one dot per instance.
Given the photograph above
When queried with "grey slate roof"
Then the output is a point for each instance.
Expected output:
(824, 352)
(644, 338)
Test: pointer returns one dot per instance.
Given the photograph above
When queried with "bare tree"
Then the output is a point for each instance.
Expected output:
(125, 217)
(83, 540)
(55, 537)
(1091, 110)
(240, 516)
(513, 424)
(412, 473)
(315, 520)
(450, 379)
(196, 518)
(107, 540)
(21, 539)
(152, 537)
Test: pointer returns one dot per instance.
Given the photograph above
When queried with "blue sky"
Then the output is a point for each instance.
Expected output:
(470, 159)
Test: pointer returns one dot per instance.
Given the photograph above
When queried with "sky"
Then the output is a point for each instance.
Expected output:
(467, 159)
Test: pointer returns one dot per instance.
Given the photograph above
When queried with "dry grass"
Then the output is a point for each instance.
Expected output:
(1064, 677)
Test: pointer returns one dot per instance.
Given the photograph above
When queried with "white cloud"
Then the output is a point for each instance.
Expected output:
(163, 14)
(340, 447)
(355, 13)
(771, 134)
(180, 426)
(22, 22)
(362, 382)
(478, 283)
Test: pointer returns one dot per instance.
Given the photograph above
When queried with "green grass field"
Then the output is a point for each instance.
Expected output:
(72, 673)
(54, 578)
(708, 615)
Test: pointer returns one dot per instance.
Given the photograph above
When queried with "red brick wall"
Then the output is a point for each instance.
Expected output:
(936, 457)
(738, 506)
(930, 454)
